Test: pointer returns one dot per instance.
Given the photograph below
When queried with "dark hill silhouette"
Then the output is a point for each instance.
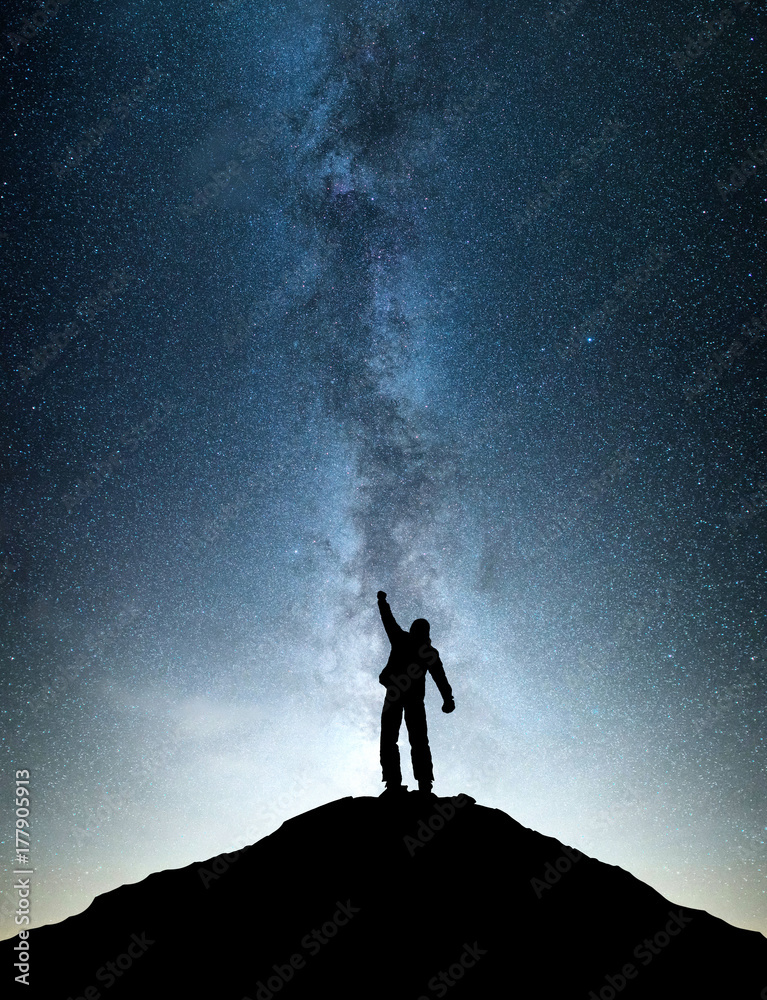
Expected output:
(413, 898)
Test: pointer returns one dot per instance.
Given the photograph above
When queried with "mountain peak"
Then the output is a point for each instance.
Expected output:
(411, 897)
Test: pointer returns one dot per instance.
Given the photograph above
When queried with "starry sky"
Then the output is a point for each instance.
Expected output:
(464, 302)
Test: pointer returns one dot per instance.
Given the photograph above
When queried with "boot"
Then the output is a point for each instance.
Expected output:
(393, 790)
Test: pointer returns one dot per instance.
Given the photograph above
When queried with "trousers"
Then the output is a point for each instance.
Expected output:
(420, 753)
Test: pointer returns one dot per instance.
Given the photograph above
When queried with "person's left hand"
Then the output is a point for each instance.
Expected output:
(449, 706)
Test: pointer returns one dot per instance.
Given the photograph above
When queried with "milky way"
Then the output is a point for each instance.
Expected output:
(462, 303)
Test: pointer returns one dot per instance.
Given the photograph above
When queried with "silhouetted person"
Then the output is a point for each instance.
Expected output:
(404, 677)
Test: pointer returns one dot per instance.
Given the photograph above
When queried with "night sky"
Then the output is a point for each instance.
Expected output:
(464, 302)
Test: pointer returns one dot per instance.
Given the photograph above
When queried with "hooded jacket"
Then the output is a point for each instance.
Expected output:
(409, 661)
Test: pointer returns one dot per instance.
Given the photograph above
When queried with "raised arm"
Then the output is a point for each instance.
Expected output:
(393, 630)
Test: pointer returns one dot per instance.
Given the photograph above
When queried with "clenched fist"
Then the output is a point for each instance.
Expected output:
(381, 595)
(449, 706)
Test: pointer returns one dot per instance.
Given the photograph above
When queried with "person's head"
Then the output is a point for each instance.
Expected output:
(420, 629)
